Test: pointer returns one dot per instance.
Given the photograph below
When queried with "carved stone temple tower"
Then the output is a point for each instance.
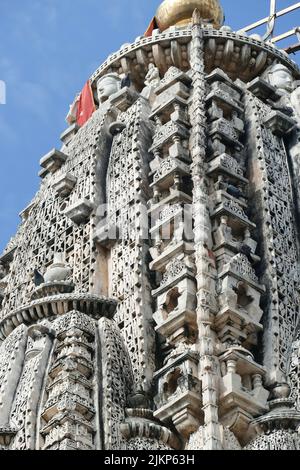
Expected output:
(150, 298)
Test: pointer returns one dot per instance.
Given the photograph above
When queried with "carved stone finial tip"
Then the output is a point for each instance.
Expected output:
(196, 17)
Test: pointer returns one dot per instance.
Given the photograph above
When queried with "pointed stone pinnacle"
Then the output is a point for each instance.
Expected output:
(196, 17)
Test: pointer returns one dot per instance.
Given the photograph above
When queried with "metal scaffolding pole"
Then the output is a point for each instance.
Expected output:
(271, 23)
(278, 14)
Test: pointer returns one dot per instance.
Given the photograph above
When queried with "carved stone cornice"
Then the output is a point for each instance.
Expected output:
(282, 415)
(251, 56)
(140, 423)
(56, 305)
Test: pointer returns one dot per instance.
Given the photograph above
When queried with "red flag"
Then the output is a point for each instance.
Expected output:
(86, 105)
(152, 26)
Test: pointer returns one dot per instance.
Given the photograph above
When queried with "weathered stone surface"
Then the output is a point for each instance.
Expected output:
(150, 297)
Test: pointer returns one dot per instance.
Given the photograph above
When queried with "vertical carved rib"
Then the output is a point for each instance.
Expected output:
(203, 242)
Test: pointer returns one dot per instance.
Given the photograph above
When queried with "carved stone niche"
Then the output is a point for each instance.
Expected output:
(175, 82)
(167, 135)
(218, 78)
(228, 166)
(223, 133)
(176, 301)
(171, 235)
(240, 296)
(279, 123)
(172, 108)
(53, 160)
(176, 316)
(224, 100)
(171, 98)
(226, 243)
(242, 395)
(164, 169)
(168, 171)
(80, 211)
(237, 222)
(223, 198)
(179, 398)
(64, 185)
(165, 206)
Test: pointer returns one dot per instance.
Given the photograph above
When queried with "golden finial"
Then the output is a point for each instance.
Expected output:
(180, 13)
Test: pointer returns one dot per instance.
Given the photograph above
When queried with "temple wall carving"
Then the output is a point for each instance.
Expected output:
(150, 298)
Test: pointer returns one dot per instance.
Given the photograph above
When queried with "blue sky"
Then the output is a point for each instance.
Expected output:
(48, 49)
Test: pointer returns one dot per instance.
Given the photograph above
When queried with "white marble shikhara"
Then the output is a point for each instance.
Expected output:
(150, 297)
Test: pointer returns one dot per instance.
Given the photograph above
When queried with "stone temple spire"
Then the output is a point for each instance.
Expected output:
(150, 298)
(180, 12)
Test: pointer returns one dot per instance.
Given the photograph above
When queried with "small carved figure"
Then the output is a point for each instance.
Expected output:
(107, 86)
(280, 77)
(152, 78)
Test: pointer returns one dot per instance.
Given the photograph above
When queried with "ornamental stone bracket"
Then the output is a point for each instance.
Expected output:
(53, 161)
(279, 123)
(80, 211)
(64, 185)
(69, 133)
(263, 90)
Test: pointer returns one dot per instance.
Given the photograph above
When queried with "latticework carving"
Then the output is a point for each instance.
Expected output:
(48, 230)
(127, 196)
(276, 219)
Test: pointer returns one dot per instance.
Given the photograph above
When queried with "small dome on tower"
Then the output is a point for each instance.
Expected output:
(180, 12)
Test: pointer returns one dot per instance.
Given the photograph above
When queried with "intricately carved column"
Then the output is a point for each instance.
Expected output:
(203, 241)
(274, 215)
(12, 353)
(124, 232)
(26, 406)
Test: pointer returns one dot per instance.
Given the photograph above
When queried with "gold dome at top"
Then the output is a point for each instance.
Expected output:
(180, 12)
